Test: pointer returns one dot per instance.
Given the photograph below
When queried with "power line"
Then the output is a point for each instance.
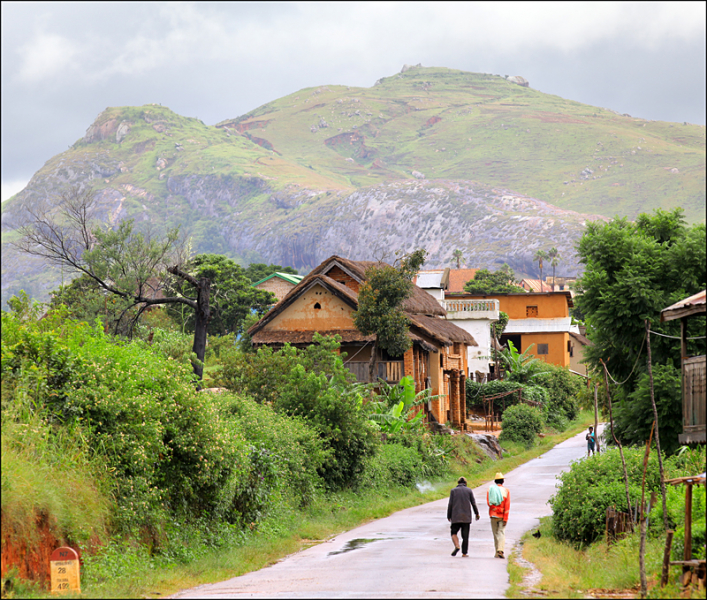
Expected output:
(676, 337)
(634, 364)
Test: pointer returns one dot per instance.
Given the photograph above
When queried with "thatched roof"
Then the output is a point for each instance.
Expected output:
(420, 309)
(441, 330)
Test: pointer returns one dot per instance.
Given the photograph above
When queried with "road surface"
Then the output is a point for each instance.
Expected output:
(408, 554)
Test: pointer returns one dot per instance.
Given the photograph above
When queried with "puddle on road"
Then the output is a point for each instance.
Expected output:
(356, 544)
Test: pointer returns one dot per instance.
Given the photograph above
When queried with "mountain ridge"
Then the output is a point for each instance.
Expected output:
(291, 180)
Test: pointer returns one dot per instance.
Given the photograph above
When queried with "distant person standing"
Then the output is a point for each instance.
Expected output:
(461, 501)
(591, 441)
(499, 500)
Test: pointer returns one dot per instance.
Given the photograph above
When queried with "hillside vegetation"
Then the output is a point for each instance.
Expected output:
(430, 157)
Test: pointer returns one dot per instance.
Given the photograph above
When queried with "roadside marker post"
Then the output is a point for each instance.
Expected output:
(64, 569)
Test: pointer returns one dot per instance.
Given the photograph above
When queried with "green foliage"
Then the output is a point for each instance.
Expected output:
(593, 485)
(476, 391)
(501, 281)
(393, 412)
(88, 301)
(233, 298)
(521, 367)
(633, 416)
(521, 423)
(380, 300)
(314, 384)
(498, 327)
(258, 271)
(563, 390)
(633, 271)
(291, 444)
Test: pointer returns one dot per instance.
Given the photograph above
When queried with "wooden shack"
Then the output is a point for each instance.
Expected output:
(694, 396)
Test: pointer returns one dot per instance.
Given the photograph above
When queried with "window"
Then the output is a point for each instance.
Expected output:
(570, 348)
(531, 311)
(542, 349)
(317, 306)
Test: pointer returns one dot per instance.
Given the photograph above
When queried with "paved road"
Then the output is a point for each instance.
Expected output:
(407, 555)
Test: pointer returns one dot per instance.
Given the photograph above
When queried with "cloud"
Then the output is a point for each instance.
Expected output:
(46, 55)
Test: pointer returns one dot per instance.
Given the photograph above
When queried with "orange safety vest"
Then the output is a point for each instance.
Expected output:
(501, 511)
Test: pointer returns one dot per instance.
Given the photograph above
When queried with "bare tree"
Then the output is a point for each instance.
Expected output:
(135, 266)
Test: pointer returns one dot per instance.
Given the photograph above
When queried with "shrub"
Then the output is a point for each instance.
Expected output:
(311, 383)
(562, 388)
(476, 391)
(521, 423)
(593, 485)
(393, 464)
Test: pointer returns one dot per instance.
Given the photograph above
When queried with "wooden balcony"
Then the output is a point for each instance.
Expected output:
(388, 371)
(694, 399)
(452, 361)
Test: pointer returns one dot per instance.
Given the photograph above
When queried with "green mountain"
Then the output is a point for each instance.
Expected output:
(429, 157)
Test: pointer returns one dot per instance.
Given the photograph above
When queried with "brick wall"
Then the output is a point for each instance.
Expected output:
(338, 275)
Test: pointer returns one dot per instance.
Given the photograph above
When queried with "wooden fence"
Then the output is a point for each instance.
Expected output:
(618, 524)
(388, 371)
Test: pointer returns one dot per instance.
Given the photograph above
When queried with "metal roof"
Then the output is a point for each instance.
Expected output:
(556, 325)
(427, 279)
(695, 304)
(289, 277)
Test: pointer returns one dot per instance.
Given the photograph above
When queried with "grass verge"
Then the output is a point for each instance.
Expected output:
(127, 571)
(598, 571)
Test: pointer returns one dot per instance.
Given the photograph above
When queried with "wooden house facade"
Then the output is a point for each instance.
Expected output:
(324, 302)
(694, 395)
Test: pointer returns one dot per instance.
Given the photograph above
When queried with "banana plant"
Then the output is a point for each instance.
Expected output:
(390, 413)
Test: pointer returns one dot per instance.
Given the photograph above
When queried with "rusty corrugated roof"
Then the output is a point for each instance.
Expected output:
(688, 306)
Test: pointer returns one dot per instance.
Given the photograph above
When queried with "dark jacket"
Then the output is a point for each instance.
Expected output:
(461, 499)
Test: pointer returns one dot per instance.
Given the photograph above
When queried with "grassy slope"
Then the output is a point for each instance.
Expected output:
(457, 125)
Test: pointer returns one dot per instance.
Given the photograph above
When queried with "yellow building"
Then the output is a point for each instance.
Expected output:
(539, 319)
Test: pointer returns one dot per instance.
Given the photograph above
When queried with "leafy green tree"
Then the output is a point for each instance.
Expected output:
(488, 282)
(540, 256)
(86, 301)
(632, 271)
(380, 305)
(233, 296)
(135, 266)
(257, 271)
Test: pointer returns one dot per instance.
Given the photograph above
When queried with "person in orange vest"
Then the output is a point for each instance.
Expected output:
(499, 500)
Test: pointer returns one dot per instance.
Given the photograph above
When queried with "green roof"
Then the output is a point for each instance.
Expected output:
(289, 277)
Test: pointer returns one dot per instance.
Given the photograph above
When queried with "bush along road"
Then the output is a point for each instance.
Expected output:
(408, 554)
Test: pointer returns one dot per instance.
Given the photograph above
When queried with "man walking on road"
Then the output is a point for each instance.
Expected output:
(499, 500)
(461, 501)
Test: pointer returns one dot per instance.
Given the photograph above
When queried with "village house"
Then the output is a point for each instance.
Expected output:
(324, 302)
(473, 316)
(694, 371)
(279, 284)
(542, 319)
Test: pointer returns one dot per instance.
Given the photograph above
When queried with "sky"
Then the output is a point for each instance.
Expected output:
(63, 63)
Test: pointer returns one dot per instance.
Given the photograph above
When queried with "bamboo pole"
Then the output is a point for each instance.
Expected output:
(642, 548)
(687, 555)
(618, 443)
(663, 493)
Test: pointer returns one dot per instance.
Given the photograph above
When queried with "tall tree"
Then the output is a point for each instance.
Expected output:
(487, 282)
(632, 271)
(554, 256)
(132, 265)
(233, 296)
(458, 256)
(540, 256)
(380, 305)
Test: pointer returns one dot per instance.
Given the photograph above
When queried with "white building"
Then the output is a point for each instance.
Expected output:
(473, 316)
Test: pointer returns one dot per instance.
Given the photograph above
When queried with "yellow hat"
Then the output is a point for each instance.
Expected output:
(499, 475)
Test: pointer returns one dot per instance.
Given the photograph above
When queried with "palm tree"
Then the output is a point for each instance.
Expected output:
(554, 256)
(458, 255)
(540, 255)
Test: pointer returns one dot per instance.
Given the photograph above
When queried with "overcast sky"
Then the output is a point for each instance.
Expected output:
(64, 62)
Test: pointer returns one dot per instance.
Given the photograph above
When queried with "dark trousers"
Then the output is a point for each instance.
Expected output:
(465, 534)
